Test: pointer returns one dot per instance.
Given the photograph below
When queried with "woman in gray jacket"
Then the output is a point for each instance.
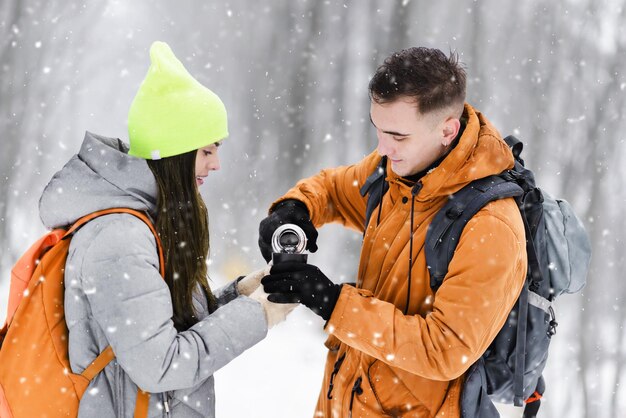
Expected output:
(169, 334)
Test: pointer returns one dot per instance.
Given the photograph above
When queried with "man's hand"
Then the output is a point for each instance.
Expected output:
(286, 212)
(303, 283)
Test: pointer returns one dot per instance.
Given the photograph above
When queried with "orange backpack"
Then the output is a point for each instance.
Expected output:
(35, 375)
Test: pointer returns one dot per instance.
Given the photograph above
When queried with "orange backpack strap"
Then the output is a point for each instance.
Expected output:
(99, 363)
(143, 398)
(142, 404)
(82, 221)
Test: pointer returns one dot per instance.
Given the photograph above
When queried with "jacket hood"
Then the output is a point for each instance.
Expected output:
(481, 152)
(101, 176)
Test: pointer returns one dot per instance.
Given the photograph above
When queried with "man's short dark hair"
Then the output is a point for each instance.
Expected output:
(435, 81)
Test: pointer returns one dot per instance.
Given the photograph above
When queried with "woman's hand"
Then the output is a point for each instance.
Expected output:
(248, 284)
(275, 313)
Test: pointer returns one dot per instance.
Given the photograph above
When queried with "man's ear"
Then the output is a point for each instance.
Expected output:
(451, 129)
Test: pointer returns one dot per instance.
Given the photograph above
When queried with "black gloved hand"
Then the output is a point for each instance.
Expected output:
(292, 282)
(286, 212)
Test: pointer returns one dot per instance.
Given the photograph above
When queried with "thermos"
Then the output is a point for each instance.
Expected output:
(289, 244)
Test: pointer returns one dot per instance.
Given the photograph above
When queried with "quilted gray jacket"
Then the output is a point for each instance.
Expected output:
(116, 296)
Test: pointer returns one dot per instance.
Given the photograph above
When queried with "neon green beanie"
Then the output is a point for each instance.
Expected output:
(173, 113)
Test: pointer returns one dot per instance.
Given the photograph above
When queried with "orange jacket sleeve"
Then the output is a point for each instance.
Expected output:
(333, 195)
(483, 282)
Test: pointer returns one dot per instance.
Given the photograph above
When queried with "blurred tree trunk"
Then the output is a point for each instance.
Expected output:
(620, 355)
(358, 138)
(602, 145)
(545, 59)
(401, 26)
(12, 11)
(299, 87)
(477, 88)
(38, 71)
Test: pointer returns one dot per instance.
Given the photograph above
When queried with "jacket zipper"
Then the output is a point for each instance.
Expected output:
(369, 379)
(119, 380)
(356, 389)
(166, 403)
(334, 373)
(414, 192)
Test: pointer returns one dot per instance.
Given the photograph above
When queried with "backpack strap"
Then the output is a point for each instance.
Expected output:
(520, 346)
(99, 363)
(142, 404)
(104, 358)
(82, 221)
(516, 146)
(445, 229)
(443, 236)
(375, 181)
(534, 402)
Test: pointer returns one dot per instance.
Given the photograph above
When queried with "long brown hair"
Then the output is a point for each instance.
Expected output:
(183, 225)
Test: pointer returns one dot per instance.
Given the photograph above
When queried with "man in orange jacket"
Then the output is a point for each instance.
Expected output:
(395, 348)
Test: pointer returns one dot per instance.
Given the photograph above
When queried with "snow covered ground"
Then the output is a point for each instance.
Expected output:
(279, 377)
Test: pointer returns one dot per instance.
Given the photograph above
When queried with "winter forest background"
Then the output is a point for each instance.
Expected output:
(293, 75)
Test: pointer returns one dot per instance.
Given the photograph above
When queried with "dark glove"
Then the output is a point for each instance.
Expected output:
(291, 282)
(286, 212)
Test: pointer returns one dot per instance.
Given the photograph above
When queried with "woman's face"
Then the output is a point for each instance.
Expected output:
(207, 160)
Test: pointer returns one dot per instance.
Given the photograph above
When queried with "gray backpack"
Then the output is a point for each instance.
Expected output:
(559, 252)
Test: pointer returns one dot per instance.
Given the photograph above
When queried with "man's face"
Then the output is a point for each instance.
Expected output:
(410, 140)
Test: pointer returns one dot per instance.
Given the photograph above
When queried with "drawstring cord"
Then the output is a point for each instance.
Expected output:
(380, 202)
(333, 374)
(355, 389)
